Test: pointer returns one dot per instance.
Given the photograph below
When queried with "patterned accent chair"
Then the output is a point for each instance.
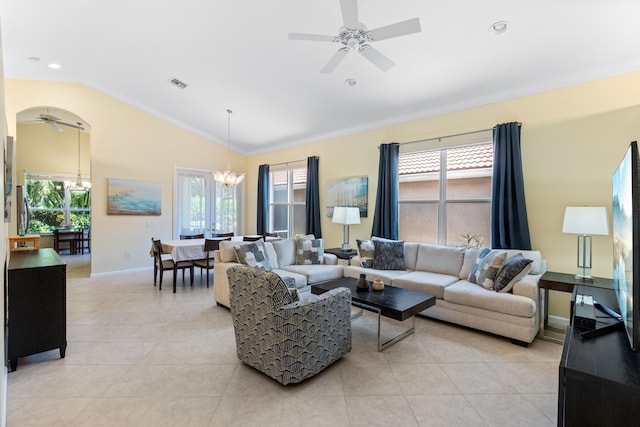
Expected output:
(286, 339)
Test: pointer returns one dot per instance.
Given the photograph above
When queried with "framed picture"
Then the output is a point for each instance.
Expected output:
(133, 197)
(8, 178)
(350, 192)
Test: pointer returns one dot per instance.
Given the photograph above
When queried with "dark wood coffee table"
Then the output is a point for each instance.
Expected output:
(392, 302)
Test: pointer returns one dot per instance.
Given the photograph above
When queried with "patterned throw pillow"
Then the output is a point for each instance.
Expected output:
(514, 269)
(388, 255)
(309, 251)
(253, 255)
(489, 268)
(474, 270)
(366, 252)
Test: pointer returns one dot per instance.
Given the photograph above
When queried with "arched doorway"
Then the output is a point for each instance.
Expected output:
(53, 173)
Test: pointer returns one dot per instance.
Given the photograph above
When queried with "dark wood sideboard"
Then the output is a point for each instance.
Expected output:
(36, 304)
(599, 378)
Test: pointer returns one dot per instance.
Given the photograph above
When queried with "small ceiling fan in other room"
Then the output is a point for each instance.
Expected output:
(355, 36)
(55, 122)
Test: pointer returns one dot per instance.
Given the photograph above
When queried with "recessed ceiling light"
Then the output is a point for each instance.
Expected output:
(351, 82)
(499, 27)
(54, 66)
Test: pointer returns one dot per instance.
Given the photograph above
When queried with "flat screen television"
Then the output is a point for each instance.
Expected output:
(626, 242)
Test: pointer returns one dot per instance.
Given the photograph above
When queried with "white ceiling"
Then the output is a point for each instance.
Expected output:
(235, 54)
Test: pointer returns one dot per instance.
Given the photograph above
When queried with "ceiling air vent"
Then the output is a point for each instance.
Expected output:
(177, 83)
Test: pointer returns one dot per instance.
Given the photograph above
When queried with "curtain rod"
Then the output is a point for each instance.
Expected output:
(286, 163)
(450, 136)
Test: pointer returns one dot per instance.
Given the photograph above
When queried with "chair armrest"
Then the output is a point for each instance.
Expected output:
(331, 310)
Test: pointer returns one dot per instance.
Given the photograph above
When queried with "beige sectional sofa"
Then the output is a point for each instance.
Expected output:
(281, 256)
(444, 272)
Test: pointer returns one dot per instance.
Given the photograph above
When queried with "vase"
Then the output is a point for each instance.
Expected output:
(362, 283)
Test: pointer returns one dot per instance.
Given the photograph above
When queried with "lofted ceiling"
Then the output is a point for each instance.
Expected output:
(236, 54)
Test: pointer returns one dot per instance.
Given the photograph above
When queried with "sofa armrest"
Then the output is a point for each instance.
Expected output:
(221, 282)
(527, 286)
(330, 259)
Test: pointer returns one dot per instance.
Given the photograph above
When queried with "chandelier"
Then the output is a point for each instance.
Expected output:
(79, 186)
(227, 177)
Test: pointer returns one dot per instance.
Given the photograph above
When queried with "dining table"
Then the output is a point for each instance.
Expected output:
(187, 249)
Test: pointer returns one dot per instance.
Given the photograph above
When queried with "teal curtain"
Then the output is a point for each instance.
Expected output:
(509, 223)
(263, 200)
(313, 198)
(385, 217)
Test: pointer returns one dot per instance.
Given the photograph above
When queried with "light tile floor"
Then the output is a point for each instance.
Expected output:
(137, 356)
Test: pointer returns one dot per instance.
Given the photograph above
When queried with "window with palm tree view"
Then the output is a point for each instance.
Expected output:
(56, 202)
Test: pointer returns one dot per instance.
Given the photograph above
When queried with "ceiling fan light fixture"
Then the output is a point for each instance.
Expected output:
(351, 82)
(499, 27)
(227, 177)
(79, 186)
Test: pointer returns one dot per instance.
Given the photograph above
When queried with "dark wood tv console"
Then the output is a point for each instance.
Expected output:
(599, 378)
(36, 304)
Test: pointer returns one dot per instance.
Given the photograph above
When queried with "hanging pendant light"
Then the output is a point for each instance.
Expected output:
(79, 186)
(227, 177)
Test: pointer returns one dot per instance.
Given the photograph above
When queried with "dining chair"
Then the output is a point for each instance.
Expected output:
(161, 264)
(223, 234)
(67, 240)
(191, 236)
(210, 245)
(85, 241)
(252, 238)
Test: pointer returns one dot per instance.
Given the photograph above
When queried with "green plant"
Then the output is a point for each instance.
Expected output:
(471, 241)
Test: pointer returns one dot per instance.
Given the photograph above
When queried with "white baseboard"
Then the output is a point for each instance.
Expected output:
(120, 272)
(557, 320)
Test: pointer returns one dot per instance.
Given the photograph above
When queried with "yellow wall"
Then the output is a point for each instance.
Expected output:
(125, 143)
(572, 140)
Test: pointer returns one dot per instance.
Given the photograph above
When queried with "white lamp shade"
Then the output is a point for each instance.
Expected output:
(586, 220)
(346, 215)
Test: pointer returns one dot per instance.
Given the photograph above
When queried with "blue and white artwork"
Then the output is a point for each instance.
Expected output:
(133, 197)
(348, 192)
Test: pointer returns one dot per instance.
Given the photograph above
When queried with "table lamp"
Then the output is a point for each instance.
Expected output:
(585, 222)
(346, 216)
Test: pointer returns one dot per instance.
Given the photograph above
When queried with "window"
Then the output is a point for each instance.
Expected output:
(287, 202)
(53, 205)
(445, 195)
(203, 205)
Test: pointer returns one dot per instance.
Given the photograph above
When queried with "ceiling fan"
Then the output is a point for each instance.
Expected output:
(355, 35)
(55, 122)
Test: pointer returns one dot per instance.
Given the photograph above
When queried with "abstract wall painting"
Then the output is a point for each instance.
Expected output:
(133, 197)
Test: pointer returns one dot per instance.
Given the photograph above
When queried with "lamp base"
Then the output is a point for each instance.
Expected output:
(345, 247)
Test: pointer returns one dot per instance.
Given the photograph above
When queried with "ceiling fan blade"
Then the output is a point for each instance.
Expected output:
(312, 37)
(71, 125)
(394, 30)
(335, 60)
(350, 14)
(376, 58)
(54, 125)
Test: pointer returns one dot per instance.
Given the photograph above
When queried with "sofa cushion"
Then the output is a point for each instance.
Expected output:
(388, 255)
(309, 251)
(271, 254)
(473, 273)
(286, 251)
(489, 268)
(469, 294)
(316, 273)
(410, 255)
(440, 259)
(253, 255)
(387, 276)
(514, 269)
(365, 252)
(425, 281)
